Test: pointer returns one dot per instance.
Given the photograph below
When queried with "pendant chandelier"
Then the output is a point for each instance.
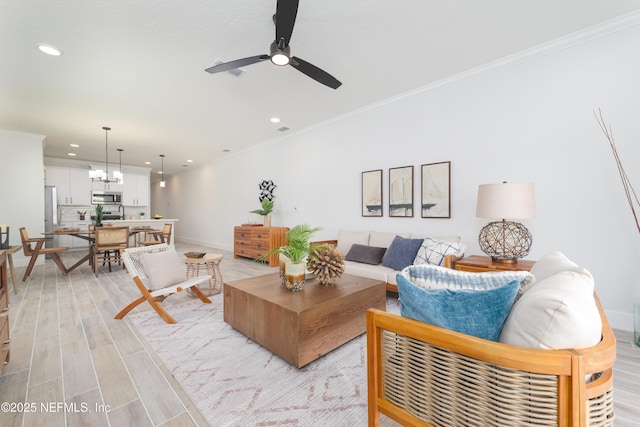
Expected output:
(103, 175)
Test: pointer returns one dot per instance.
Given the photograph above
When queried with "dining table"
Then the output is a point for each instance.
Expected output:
(90, 236)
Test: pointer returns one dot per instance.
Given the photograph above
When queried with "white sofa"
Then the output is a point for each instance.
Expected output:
(376, 239)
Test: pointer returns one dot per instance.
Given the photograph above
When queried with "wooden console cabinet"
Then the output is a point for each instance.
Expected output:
(476, 263)
(253, 242)
(4, 311)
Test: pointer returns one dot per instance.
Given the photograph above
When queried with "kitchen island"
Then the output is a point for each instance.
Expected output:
(154, 223)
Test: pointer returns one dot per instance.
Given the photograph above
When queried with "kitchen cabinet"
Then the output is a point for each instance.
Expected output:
(73, 186)
(135, 190)
(106, 186)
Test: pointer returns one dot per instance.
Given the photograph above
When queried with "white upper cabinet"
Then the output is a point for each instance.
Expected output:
(135, 190)
(73, 185)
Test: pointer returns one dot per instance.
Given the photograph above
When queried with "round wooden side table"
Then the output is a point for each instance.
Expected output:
(209, 263)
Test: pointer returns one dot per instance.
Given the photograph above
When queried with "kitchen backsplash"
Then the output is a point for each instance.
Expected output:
(70, 213)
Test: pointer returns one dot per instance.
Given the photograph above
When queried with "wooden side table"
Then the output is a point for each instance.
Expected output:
(209, 263)
(477, 263)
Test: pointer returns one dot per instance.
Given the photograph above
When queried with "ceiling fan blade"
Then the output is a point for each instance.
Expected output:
(286, 12)
(314, 72)
(232, 65)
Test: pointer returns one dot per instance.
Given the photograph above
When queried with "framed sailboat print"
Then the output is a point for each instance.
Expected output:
(372, 193)
(436, 190)
(401, 192)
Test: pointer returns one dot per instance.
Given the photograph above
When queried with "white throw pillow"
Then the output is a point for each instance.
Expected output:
(163, 269)
(558, 311)
(348, 238)
(552, 263)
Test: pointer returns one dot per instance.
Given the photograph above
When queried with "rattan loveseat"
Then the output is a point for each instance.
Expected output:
(419, 374)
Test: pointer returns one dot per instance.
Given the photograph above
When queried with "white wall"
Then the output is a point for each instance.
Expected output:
(21, 186)
(527, 119)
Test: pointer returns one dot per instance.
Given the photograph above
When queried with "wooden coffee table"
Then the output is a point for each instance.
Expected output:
(301, 326)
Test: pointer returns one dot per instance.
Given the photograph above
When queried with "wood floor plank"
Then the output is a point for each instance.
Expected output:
(130, 415)
(113, 377)
(155, 392)
(77, 368)
(46, 363)
(46, 396)
(92, 410)
(13, 389)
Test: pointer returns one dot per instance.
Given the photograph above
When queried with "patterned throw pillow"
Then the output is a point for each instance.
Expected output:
(434, 251)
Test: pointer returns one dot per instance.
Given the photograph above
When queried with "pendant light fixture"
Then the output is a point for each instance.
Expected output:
(162, 182)
(103, 175)
(117, 175)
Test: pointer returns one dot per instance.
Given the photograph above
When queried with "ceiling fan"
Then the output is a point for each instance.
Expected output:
(284, 19)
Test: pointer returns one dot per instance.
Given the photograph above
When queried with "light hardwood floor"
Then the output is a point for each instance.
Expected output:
(67, 349)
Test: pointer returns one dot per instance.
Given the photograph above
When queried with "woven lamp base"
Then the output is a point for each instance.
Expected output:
(505, 241)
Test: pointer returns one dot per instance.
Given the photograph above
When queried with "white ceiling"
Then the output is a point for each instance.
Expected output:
(138, 66)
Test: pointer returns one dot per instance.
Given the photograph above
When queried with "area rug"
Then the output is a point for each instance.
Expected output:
(235, 382)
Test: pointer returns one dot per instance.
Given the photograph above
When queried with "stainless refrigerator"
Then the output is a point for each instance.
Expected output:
(50, 213)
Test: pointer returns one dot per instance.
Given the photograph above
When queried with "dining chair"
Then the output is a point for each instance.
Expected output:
(107, 245)
(39, 249)
(162, 236)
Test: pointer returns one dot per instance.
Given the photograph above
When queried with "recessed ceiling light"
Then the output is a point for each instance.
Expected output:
(74, 145)
(160, 172)
(189, 161)
(71, 154)
(49, 50)
(147, 163)
(275, 120)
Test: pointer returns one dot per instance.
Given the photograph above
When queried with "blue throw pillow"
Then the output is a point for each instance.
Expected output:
(401, 252)
(480, 313)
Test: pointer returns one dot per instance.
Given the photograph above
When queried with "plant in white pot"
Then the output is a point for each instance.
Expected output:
(265, 211)
(294, 255)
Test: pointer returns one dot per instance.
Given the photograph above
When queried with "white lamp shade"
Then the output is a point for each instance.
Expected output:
(506, 201)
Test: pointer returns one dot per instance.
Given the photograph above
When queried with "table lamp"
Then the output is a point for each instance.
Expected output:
(505, 241)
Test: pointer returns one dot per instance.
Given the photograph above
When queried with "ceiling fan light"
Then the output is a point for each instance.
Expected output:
(280, 58)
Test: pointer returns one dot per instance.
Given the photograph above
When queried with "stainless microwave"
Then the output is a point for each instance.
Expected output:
(106, 197)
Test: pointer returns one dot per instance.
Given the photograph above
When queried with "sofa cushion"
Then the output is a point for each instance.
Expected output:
(377, 272)
(163, 268)
(383, 239)
(348, 238)
(366, 254)
(477, 312)
(558, 311)
(401, 252)
(433, 251)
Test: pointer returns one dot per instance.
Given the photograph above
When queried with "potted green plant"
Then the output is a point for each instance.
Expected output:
(99, 214)
(294, 254)
(265, 211)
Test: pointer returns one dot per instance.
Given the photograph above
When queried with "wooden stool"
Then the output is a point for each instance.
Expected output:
(209, 263)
